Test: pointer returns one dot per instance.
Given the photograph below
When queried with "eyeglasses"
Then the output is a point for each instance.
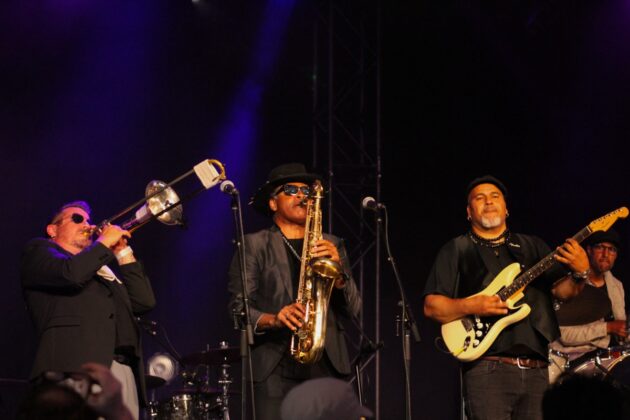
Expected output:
(289, 189)
(76, 218)
(602, 248)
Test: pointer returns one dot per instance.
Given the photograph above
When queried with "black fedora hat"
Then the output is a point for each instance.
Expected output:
(288, 172)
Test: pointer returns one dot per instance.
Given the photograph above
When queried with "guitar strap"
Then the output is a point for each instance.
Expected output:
(475, 267)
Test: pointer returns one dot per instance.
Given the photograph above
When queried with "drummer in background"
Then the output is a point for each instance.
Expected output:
(596, 318)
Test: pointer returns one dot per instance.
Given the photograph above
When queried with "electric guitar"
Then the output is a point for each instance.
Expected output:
(469, 337)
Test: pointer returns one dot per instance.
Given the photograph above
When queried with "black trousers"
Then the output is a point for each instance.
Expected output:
(286, 375)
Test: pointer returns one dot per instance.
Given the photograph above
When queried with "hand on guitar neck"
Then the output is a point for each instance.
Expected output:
(573, 256)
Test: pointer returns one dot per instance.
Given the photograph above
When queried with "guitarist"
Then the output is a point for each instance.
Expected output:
(508, 381)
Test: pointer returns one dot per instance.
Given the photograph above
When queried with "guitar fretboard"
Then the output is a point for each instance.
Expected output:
(543, 265)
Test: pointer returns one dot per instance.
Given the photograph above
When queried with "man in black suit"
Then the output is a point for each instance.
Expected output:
(82, 311)
(273, 264)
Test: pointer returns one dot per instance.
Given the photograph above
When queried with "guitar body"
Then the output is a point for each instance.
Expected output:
(469, 337)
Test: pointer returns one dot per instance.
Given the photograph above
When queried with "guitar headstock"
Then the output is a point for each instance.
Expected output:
(605, 222)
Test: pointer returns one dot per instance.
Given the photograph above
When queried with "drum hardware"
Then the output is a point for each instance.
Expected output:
(196, 399)
(613, 362)
(201, 389)
(564, 356)
(153, 382)
(225, 380)
(600, 366)
(213, 356)
(161, 367)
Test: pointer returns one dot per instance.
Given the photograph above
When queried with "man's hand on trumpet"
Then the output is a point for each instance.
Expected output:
(113, 237)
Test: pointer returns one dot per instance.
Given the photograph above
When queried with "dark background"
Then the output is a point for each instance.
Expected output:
(98, 98)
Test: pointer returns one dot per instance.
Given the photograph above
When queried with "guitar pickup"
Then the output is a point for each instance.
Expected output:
(468, 323)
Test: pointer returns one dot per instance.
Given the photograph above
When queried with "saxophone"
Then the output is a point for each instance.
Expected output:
(317, 277)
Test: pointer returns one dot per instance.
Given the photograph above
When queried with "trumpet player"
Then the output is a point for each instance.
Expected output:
(273, 258)
(83, 311)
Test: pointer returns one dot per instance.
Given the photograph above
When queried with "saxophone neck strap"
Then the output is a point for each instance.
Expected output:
(291, 248)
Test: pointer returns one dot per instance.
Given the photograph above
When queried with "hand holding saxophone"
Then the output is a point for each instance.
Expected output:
(291, 316)
(326, 249)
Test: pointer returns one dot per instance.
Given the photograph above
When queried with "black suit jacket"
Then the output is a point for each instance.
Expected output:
(270, 288)
(73, 308)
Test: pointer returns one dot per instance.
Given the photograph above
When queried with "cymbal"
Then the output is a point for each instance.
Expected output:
(153, 381)
(214, 356)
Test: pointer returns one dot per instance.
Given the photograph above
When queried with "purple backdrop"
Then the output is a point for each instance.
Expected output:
(99, 98)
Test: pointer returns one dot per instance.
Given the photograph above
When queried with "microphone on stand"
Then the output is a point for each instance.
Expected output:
(228, 187)
(370, 203)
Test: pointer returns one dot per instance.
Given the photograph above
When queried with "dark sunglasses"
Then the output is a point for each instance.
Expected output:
(76, 218)
(289, 189)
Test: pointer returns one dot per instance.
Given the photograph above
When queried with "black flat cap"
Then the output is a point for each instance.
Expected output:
(486, 179)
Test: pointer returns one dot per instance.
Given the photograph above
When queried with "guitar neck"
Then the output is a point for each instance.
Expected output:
(541, 266)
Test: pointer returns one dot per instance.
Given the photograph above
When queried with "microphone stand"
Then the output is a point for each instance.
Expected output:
(367, 351)
(405, 319)
(150, 328)
(243, 318)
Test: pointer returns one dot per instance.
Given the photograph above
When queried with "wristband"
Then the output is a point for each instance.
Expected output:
(578, 277)
(123, 252)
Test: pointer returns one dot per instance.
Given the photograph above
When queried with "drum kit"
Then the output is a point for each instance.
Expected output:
(194, 398)
(612, 362)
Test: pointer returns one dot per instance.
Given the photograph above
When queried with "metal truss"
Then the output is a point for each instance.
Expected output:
(347, 146)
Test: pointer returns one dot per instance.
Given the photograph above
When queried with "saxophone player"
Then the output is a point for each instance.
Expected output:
(273, 259)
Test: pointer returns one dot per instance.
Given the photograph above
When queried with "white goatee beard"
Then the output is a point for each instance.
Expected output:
(490, 222)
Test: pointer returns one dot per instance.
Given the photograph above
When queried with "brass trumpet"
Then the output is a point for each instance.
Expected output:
(161, 202)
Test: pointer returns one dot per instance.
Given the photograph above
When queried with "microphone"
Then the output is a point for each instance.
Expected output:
(228, 187)
(369, 203)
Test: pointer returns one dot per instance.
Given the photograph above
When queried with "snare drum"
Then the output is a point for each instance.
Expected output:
(614, 361)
